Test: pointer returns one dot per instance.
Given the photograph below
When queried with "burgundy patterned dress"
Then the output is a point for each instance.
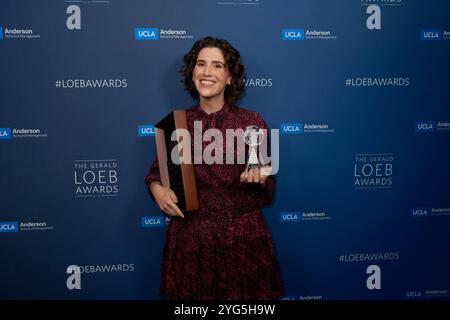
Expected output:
(224, 250)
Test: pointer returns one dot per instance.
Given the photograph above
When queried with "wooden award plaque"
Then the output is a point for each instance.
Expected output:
(178, 177)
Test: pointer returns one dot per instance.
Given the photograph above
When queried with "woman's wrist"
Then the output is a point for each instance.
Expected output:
(154, 185)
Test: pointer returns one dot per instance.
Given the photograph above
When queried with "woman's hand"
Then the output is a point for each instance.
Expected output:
(256, 175)
(166, 199)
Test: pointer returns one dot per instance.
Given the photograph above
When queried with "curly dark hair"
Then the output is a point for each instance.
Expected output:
(232, 63)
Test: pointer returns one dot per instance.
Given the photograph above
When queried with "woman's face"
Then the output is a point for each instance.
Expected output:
(210, 74)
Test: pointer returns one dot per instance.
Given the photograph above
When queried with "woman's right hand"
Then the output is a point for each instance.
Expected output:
(166, 199)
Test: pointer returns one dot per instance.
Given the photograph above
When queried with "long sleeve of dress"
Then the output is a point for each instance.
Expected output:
(152, 176)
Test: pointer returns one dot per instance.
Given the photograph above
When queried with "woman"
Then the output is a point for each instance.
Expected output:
(224, 250)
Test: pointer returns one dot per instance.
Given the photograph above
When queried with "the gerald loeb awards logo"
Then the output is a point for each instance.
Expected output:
(373, 171)
(96, 178)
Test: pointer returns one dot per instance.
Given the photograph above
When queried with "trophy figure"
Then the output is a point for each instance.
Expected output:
(253, 137)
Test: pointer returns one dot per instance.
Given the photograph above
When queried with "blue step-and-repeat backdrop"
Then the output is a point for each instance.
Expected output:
(359, 90)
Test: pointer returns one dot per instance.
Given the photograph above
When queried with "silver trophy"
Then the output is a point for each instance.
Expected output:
(253, 137)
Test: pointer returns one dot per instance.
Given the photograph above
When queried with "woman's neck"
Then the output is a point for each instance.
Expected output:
(211, 106)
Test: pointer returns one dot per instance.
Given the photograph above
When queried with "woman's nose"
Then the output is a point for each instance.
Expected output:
(207, 70)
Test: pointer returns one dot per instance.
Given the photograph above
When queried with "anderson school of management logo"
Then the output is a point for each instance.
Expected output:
(157, 34)
(301, 34)
(17, 33)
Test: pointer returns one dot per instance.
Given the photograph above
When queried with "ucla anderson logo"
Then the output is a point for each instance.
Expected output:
(293, 216)
(431, 34)
(146, 33)
(291, 128)
(5, 133)
(9, 226)
(293, 34)
(153, 221)
(420, 212)
(146, 130)
(425, 126)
